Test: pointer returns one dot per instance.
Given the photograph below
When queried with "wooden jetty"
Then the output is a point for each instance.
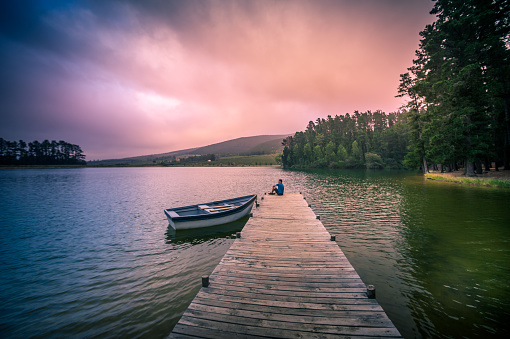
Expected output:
(284, 277)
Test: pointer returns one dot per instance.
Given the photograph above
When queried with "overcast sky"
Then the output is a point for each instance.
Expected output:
(124, 78)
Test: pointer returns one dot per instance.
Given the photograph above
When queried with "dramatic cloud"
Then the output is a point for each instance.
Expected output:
(123, 78)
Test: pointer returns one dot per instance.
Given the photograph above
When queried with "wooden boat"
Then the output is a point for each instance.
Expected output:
(210, 214)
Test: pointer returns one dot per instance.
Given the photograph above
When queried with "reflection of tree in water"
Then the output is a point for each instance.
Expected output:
(200, 235)
(455, 253)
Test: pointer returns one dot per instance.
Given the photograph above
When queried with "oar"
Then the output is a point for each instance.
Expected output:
(222, 208)
(219, 206)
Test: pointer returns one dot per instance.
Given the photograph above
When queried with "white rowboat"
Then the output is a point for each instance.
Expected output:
(210, 214)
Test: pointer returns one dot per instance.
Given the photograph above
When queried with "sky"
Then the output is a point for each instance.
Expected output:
(123, 78)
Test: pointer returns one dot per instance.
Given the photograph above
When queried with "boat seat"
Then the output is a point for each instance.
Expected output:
(172, 214)
(204, 208)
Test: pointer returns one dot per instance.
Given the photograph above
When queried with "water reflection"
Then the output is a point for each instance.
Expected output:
(201, 235)
(437, 253)
(88, 252)
(457, 253)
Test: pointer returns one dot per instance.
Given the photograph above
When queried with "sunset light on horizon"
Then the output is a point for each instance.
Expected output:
(125, 78)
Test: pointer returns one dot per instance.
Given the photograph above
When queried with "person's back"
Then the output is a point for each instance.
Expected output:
(280, 187)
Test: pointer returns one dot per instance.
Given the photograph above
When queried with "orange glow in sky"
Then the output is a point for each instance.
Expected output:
(126, 78)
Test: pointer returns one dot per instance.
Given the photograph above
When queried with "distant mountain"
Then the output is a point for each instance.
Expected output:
(261, 144)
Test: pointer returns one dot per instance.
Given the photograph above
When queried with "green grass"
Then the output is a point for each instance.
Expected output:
(250, 160)
(234, 161)
(471, 180)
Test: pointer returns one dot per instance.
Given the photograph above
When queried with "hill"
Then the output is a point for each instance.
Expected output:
(255, 145)
(262, 144)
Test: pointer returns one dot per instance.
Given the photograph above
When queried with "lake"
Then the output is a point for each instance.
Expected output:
(88, 252)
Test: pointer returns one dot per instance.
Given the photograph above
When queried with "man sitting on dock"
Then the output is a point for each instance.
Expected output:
(278, 188)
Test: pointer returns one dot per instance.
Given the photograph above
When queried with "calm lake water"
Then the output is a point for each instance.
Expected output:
(88, 253)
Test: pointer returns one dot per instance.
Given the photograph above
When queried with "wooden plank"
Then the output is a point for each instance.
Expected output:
(372, 320)
(300, 311)
(286, 266)
(319, 304)
(284, 278)
(296, 273)
(298, 270)
(232, 272)
(277, 329)
(231, 280)
(289, 296)
(263, 289)
(200, 332)
(360, 288)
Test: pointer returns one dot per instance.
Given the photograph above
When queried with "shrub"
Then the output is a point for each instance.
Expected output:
(373, 161)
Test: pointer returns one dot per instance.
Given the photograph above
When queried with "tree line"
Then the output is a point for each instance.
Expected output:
(368, 139)
(459, 87)
(40, 153)
(458, 103)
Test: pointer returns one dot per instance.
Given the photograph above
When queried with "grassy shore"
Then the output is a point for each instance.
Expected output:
(232, 161)
(250, 160)
(491, 178)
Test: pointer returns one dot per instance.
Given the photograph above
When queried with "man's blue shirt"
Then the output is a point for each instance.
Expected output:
(280, 188)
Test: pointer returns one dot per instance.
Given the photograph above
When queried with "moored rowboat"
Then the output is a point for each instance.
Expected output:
(210, 214)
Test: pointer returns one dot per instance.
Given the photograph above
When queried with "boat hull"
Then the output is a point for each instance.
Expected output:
(212, 219)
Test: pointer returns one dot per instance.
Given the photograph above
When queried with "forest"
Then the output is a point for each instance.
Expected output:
(368, 139)
(40, 153)
(458, 88)
(457, 110)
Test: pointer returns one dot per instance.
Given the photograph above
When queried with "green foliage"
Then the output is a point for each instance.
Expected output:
(458, 86)
(251, 160)
(473, 181)
(278, 159)
(373, 161)
(344, 141)
(356, 151)
(197, 158)
(330, 152)
(341, 153)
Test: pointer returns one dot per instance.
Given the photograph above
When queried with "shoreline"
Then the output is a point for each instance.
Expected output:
(41, 166)
(124, 166)
(492, 178)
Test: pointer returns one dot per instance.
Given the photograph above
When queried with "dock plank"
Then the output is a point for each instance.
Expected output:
(284, 278)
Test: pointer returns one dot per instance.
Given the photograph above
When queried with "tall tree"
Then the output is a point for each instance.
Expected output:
(459, 82)
(37, 153)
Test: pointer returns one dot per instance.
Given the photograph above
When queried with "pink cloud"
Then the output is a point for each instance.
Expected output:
(160, 79)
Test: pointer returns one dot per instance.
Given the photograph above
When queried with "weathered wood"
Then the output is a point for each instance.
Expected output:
(285, 286)
(298, 275)
(285, 277)
(205, 280)
(235, 304)
(339, 304)
(371, 291)
(281, 329)
(372, 320)
(263, 290)
(315, 283)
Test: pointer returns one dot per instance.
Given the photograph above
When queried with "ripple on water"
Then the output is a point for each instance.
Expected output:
(88, 251)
